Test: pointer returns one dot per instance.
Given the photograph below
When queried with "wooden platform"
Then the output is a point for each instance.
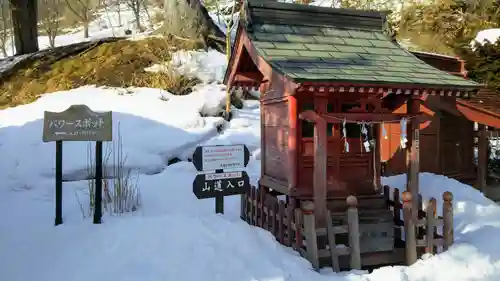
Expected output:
(493, 192)
(370, 261)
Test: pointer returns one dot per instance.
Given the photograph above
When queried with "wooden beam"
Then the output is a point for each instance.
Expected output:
(248, 78)
(311, 116)
(482, 159)
(320, 172)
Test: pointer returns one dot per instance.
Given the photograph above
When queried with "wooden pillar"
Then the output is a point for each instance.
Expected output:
(354, 234)
(377, 172)
(482, 158)
(264, 87)
(413, 153)
(320, 171)
(320, 165)
(292, 142)
(310, 233)
(409, 226)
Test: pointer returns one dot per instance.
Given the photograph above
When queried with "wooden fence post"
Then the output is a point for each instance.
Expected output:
(257, 203)
(410, 238)
(447, 220)
(310, 233)
(353, 223)
(397, 214)
(243, 206)
(274, 223)
(387, 194)
(430, 220)
(289, 220)
(331, 242)
(298, 229)
(251, 216)
(267, 213)
(261, 200)
(281, 222)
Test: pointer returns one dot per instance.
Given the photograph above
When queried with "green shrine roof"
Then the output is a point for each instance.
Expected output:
(309, 43)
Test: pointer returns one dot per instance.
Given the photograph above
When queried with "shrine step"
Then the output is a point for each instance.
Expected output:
(371, 261)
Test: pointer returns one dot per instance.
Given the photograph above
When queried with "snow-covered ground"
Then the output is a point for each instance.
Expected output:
(174, 236)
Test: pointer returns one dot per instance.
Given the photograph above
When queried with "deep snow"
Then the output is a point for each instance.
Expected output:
(174, 235)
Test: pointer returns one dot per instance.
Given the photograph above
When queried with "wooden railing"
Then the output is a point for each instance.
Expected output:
(421, 230)
(261, 209)
(297, 227)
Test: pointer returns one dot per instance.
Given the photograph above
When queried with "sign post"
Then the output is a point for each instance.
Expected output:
(59, 159)
(78, 123)
(219, 184)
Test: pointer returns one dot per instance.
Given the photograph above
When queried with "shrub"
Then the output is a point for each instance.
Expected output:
(120, 190)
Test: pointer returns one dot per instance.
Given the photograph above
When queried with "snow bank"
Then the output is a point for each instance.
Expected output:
(207, 66)
(171, 125)
(475, 255)
(243, 128)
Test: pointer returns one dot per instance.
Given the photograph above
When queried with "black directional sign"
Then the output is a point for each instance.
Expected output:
(220, 184)
(220, 157)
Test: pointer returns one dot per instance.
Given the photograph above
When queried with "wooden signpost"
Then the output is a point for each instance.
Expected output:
(78, 123)
(220, 183)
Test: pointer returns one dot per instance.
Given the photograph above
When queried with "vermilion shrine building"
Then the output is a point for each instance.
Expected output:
(331, 80)
(338, 64)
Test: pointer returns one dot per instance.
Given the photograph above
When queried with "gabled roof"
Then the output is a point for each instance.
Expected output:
(452, 65)
(318, 44)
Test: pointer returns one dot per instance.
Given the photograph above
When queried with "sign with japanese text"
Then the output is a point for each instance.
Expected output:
(220, 184)
(220, 157)
(77, 123)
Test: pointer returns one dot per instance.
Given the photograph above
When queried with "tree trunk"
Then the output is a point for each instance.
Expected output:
(137, 15)
(145, 7)
(4, 50)
(24, 22)
(175, 11)
(52, 39)
(86, 29)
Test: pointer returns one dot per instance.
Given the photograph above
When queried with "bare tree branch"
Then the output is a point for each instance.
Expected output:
(136, 5)
(50, 19)
(81, 9)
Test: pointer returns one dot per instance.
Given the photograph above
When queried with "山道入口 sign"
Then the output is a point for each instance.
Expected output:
(220, 184)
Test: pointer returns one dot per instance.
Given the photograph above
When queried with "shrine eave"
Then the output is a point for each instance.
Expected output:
(339, 87)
